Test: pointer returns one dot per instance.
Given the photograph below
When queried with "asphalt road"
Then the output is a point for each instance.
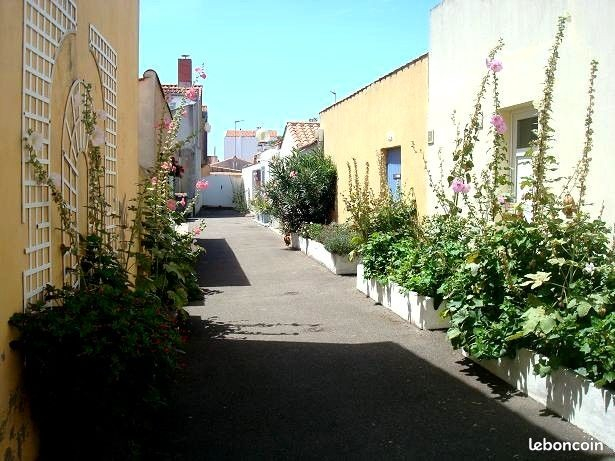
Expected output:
(290, 362)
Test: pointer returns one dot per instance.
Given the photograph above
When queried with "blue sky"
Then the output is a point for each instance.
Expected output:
(271, 61)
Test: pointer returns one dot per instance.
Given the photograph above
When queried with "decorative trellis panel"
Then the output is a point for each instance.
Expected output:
(46, 22)
(74, 143)
(106, 57)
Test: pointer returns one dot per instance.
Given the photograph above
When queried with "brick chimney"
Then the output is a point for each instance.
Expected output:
(184, 71)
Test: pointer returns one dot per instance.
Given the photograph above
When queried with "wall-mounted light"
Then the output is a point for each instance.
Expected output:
(390, 136)
(430, 137)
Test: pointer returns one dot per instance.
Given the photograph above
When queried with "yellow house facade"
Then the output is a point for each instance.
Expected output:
(49, 49)
(384, 119)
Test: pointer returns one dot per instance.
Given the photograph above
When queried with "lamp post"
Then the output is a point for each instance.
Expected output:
(235, 133)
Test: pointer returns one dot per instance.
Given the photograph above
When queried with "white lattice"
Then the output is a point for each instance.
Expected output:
(106, 57)
(46, 22)
(74, 143)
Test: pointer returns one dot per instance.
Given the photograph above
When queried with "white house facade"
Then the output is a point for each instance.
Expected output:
(461, 35)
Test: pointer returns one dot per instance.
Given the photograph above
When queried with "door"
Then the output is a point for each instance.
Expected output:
(393, 156)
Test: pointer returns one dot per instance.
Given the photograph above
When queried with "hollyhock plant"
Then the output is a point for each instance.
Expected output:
(457, 185)
(35, 141)
(192, 93)
(101, 115)
(498, 123)
(494, 65)
(98, 137)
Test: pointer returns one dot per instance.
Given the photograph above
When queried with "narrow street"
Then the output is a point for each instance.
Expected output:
(291, 362)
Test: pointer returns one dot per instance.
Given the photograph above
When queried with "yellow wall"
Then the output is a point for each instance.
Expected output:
(117, 21)
(360, 125)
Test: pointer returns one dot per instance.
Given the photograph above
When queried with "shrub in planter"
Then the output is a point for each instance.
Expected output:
(100, 352)
(301, 189)
(385, 213)
(99, 361)
(547, 288)
(424, 265)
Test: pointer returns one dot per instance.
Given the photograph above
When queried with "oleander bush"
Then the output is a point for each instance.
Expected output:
(301, 189)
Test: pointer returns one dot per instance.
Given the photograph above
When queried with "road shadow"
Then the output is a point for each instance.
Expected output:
(213, 213)
(286, 400)
(218, 266)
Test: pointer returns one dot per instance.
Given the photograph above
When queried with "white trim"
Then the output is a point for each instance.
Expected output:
(517, 154)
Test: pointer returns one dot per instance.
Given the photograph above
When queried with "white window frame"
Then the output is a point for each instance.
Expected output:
(517, 155)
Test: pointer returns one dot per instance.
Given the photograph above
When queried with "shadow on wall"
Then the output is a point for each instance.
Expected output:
(248, 399)
(218, 266)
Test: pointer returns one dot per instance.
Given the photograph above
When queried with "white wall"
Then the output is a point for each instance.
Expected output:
(219, 192)
(463, 32)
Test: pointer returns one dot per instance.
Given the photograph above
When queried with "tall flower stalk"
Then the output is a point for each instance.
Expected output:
(542, 161)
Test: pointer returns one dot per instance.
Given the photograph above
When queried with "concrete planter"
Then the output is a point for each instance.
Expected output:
(564, 392)
(361, 285)
(263, 218)
(337, 264)
(425, 316)
(416, 309)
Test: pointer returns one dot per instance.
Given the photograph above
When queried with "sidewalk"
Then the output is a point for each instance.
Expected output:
(294, 363)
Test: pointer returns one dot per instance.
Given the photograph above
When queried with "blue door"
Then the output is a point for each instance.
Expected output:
(394, 170)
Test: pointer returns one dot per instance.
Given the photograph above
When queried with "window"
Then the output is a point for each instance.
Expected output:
(524, 123)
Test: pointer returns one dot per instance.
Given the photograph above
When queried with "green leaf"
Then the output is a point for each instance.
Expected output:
(583, 308)
(453, 333)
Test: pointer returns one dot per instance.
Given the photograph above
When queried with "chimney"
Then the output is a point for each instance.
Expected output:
(184, 71)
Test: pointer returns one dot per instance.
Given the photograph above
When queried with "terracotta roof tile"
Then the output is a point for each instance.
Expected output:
(178, 90)
(304, 133)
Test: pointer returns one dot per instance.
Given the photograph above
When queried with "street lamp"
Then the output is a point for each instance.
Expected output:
(235, 133)
(334, 96)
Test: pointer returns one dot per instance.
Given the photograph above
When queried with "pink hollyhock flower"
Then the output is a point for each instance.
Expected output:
(203, 75)
(166, 124)
(184, 112)
(166, 166)
(293, 174)
(457, 185)
(494, 65)
(182, 202)
(154, 181)
(198, 70)
(465, 188)
(201, 184)
(192, 93)
(501, 200)
(499, 124)
(196, 231)
(98, 137)
(171, 204)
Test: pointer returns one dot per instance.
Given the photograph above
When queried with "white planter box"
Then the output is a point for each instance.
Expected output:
(564, 392)
(361, 282)
(424, 316)
(419, 310)
(337, 264)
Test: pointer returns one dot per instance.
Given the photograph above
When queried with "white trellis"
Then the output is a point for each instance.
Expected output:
(74, 143)
(46, 23)
(106, 58)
